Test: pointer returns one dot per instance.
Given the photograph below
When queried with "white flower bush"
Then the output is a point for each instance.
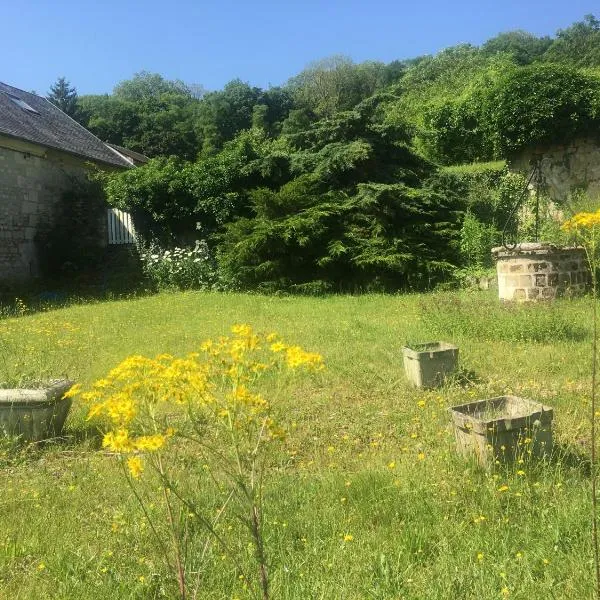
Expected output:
(179, 268)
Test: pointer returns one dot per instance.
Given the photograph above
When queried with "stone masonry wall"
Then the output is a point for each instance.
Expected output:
(538, 271)
(564, 167)
(30, 187)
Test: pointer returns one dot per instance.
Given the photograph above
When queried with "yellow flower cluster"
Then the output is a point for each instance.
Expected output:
(582, 220)
(137, 397)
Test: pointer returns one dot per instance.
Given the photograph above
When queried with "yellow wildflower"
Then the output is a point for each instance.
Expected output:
(134, 463)
(150, 442)
(117, 441)
(72, 391)
(242, 330)
(586, 220)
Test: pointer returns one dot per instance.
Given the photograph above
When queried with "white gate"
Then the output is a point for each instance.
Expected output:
(120, 227)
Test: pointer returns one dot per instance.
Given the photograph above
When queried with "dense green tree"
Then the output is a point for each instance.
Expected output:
(524, 47)
(328, 182)
(145, 85)
(63, 95)
(111, 119)
(279, 102)
(335, 83)
(541, 104)
(174, 199)
(355, 215)
(148, 114)
(392, 73)
(222, 114)
(578, 45)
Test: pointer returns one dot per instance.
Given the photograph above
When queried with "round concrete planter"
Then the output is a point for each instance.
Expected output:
(540, 271)
(428, 365)
(35, 414)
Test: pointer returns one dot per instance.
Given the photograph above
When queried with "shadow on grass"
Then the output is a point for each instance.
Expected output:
(86, 435)
(572, 457)
(15, 451)
(464, 378)
(119, 277)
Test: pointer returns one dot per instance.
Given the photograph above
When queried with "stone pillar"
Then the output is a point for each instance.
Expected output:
(540, 271)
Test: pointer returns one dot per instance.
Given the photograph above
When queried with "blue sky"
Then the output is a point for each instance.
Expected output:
(97, 44)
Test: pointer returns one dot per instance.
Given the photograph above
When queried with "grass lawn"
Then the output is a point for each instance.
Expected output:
(369, 500)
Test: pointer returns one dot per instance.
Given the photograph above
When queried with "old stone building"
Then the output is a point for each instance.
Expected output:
(42, 152)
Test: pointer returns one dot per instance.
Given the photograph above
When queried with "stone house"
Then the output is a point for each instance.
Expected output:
(42, 152)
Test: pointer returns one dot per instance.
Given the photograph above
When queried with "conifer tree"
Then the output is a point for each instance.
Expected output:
(64, 96)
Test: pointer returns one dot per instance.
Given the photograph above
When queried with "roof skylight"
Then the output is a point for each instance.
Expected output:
(22, 104)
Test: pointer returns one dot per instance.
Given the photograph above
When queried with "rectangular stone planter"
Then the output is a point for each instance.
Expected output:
(427, 365)
(503, 428)
(35, 414)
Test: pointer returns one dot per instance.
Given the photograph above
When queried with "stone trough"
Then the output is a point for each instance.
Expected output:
(540, 271)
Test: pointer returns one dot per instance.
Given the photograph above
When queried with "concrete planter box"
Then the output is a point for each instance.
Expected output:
(428, 365)
(503, 428)
(35, 414)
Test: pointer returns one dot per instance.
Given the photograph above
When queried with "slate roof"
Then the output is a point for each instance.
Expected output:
(48, 126)
(136, 157)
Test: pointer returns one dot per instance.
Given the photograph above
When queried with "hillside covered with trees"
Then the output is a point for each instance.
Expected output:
(343, 178)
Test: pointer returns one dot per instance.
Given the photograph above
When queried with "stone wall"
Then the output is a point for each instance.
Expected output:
(564, 167)
(540, 271)
(32, 181)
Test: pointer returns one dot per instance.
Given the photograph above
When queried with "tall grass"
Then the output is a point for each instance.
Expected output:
(369, 499)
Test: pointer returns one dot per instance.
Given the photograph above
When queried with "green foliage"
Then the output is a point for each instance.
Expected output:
(491, 168)
(145, 85)
(476, 241)
(148, 114)
(542, 103)
(172, 199)
(577, 45)
(64, 96)
(220, 115)
(522, 46)
(442, 98)
(158, 194)
(354, 217)
(336, 84)
(490, 192)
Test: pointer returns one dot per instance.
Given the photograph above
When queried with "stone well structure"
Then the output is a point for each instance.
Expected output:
(540, 271)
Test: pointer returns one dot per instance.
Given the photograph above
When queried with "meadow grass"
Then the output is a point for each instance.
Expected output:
(369, 499)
